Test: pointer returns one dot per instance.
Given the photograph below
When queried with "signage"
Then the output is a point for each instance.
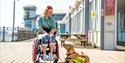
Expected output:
(109, 7)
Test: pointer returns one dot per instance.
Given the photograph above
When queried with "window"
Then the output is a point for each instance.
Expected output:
(123, 23)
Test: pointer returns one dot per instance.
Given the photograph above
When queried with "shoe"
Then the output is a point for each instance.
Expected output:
(50, 58)
(44, 57)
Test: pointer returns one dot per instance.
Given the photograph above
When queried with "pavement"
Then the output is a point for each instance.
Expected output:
(16, 52)
(21, 52)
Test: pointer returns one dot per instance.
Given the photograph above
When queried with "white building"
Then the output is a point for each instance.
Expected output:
(105, 28)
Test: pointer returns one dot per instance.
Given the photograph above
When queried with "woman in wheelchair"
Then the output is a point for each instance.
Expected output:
(47, 27)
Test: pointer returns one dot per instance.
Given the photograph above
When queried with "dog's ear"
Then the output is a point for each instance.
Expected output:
(67, 46)
(71, 46)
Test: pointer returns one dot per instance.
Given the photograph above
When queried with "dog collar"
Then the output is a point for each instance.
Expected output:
(71, 53)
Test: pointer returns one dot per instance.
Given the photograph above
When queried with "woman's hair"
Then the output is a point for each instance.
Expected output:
(46, 10)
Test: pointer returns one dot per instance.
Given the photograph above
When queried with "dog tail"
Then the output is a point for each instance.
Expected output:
(82, 53)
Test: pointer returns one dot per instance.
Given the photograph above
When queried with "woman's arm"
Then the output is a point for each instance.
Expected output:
(53, 26)
(41, 30)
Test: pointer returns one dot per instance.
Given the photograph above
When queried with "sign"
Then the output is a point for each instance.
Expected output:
(109, 24)
(93, 14)
(59, 17)
(62, 28)
(109, 7)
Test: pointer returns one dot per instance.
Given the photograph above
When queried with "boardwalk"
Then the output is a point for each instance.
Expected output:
(16, 52)
(21, 52)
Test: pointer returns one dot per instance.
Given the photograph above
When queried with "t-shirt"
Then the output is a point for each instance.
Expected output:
(47, 24)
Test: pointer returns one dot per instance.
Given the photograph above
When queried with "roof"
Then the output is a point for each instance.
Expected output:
(30, 7)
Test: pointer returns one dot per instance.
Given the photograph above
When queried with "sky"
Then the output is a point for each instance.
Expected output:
(6, 9)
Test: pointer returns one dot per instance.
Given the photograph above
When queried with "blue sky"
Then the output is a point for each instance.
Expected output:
(6, 9)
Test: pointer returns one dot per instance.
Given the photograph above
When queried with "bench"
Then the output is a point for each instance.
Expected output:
(64, 37)
(82, 39)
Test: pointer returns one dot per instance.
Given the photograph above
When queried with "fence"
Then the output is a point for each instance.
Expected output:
(19, 34)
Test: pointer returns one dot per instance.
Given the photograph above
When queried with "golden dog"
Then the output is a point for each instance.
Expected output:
(73, 57)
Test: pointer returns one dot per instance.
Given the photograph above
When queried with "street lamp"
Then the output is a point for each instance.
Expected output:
(13, 20)
(70, 26)
(14, 4)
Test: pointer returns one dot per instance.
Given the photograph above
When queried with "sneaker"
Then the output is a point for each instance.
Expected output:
(44, 57)
(50, 58)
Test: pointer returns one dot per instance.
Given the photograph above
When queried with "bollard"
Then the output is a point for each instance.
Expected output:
(17, 33)
(3, 34)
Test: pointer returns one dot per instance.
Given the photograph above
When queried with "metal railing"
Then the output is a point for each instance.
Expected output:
(19, 34)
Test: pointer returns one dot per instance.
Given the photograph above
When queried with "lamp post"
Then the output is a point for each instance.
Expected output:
(102, 25)
(69, 22)
(86, 18)
(70, 26)
(13, 20)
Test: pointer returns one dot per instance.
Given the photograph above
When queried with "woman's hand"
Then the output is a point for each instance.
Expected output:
(51, 32)
(47, 33)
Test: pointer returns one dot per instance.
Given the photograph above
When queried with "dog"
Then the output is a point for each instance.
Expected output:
(73, 57)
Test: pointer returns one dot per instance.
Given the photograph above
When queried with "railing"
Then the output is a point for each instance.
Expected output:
(19, 34)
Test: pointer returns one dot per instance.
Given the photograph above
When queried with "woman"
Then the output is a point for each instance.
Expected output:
(47, 27)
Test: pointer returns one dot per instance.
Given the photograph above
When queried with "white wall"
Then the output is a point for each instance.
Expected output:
(109, 32)
(67, 26)
(98, 22)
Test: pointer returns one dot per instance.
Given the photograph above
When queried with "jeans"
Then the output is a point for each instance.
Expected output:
(46, 39)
